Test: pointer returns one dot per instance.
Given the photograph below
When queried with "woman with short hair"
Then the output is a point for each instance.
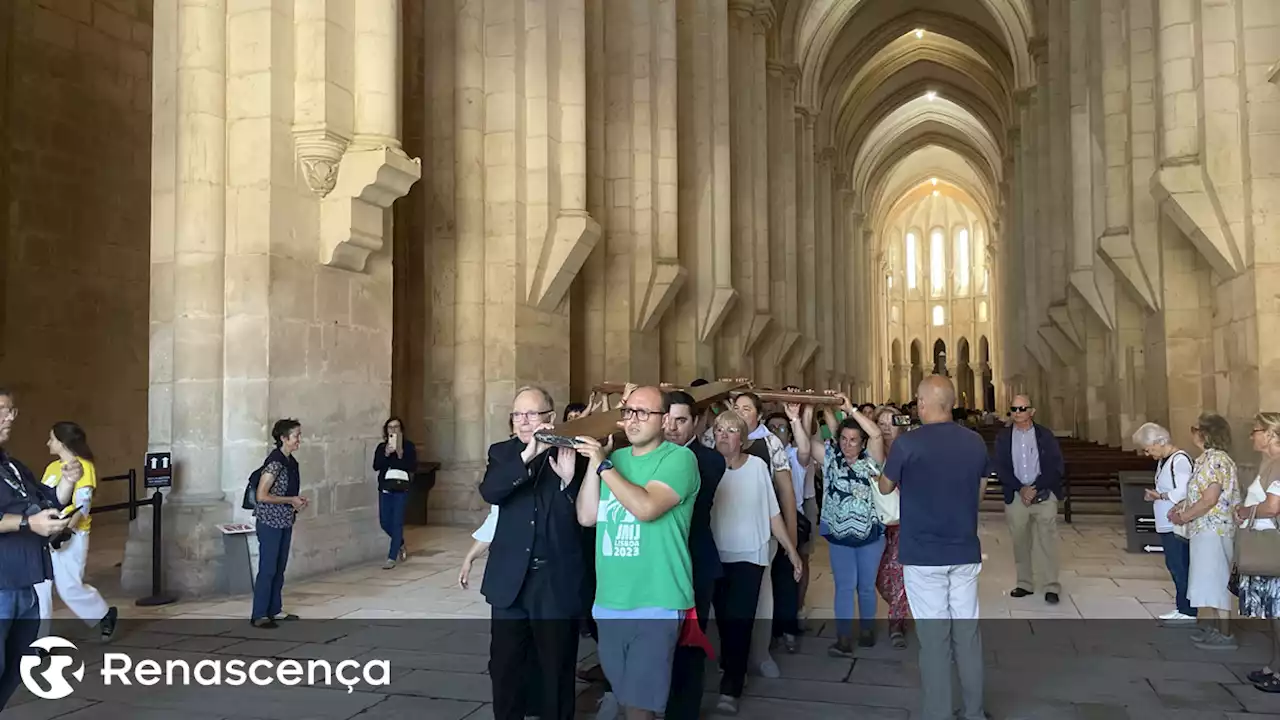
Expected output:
(1209, 514)
(1174, 469)
(746, 522)
(278, 505)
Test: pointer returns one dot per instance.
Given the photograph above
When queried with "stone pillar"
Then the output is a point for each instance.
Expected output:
(188, 244)
(806, 243)
(705, 173)
(763, 325)
(841, 245)
(742, 331)
(782, 224)
(823, 290)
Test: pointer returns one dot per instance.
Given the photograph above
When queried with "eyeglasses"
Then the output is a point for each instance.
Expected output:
(529, 416)
(640, 414)
(779, 428)
(728, 431)
(1019, 408)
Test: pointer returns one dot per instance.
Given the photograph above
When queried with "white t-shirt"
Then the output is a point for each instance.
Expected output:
(745, 503)
(485, 532)
(800, 480)
(1172, 476)
(1255, 496)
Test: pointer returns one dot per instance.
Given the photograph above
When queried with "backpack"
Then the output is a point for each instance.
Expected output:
(250, 501)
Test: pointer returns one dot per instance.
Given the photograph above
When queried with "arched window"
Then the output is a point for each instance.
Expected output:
(911, 261)
(937, 263)
(982, 311)
(939, 316)
(982, 272)
(962, 261)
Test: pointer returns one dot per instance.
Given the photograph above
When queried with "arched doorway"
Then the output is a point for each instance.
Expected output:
(917, 369)
(984, 370)
(940, 358)
(964, 375)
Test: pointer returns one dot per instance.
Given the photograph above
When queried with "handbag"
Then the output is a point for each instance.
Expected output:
(1257, 551)
(887, 505)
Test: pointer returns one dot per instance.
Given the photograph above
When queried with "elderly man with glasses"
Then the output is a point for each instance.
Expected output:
(534, 575)
(1029, 464)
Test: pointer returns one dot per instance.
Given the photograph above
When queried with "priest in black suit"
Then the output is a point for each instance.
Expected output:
(533, 578)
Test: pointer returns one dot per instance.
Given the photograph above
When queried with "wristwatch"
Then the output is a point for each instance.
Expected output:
(25, 522)
(606, 465)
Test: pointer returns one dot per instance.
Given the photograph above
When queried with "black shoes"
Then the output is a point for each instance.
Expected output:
(108, 624)
(1051, 598)
(867, 638)
(1019, 593)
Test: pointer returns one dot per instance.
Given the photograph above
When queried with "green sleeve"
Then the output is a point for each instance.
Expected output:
(679, 471)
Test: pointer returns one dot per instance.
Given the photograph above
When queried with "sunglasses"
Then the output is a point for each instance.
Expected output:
(1019, 408)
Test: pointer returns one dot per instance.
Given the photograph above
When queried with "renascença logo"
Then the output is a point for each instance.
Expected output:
(45, 674)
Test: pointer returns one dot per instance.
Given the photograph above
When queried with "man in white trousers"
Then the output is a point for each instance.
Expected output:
(939, 468)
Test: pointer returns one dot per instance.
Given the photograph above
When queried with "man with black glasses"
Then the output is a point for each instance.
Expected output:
(28, 517)
(533, 579)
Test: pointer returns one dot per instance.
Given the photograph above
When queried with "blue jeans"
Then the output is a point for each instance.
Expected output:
(1177, 557)
(273, 556)
(854, 570)
(19, 626)
(391, 515)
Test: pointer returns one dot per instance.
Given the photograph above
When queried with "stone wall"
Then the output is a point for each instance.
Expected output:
(75, 84)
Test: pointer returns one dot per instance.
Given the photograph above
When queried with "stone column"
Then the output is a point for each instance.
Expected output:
(762, 325)
(782, 216)
(705, 173)
(806, 243)
(841, 246)
(188, 244)
(738, 339)
(824, 290)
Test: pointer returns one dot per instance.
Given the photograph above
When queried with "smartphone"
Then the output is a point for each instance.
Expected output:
(901, 420)
(556, 440)
(393, 441)
(67, 512)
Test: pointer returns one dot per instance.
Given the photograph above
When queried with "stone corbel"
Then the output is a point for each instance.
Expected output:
(1182, 189)
(1086, 284)
(319, 154)
(1115, 247)
(808, 351)
(1039, 350)
(1060, 316)
(664, 284)
(352, 215)
(570, 241)
(1061, 345)
(786, 344)
(722, 301)
(1273, 74)
(760, 323)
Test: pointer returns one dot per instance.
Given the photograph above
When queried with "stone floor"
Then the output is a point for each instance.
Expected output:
(1097, 654)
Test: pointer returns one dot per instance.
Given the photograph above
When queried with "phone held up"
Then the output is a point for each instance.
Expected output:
(555, 440)
(901, 420)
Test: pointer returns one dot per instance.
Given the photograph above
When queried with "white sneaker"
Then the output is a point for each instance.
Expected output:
(727, 705)
(769, 669)
(609, 708)
(1176, 618)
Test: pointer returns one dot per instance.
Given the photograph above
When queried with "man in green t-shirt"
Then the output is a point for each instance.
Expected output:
(640, 499)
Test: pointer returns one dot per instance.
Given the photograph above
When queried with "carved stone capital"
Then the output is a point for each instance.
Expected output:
(742, 8)
(809, 114)
(1038, 48)
(776, 68)
(765, 15)
(827, 154)
(351, 217)
(319, 154)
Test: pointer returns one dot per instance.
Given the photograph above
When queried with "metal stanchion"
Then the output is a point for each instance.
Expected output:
(156, 597)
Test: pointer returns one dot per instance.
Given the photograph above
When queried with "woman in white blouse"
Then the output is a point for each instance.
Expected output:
(1260, 595)
(745, 521)
(1173, 474)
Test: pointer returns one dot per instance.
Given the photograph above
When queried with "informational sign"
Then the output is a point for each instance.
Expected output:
(157, 471)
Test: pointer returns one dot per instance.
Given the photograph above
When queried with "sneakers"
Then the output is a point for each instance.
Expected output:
(1175, 618)
(789, 642)
(841, 648)
(609, 708)
(1215, 640)
(726, 705)
(404, 554)
(867, 638)
(769, 669)
(389, 564)
(108, 624)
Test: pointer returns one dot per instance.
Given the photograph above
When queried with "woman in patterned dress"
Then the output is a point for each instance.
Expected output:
(889, 578)
(850, 462)
(1208, 512)
(279, 502)
(1260, 595)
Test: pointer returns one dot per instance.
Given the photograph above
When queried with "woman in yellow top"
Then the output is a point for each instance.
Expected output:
(68, 442)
